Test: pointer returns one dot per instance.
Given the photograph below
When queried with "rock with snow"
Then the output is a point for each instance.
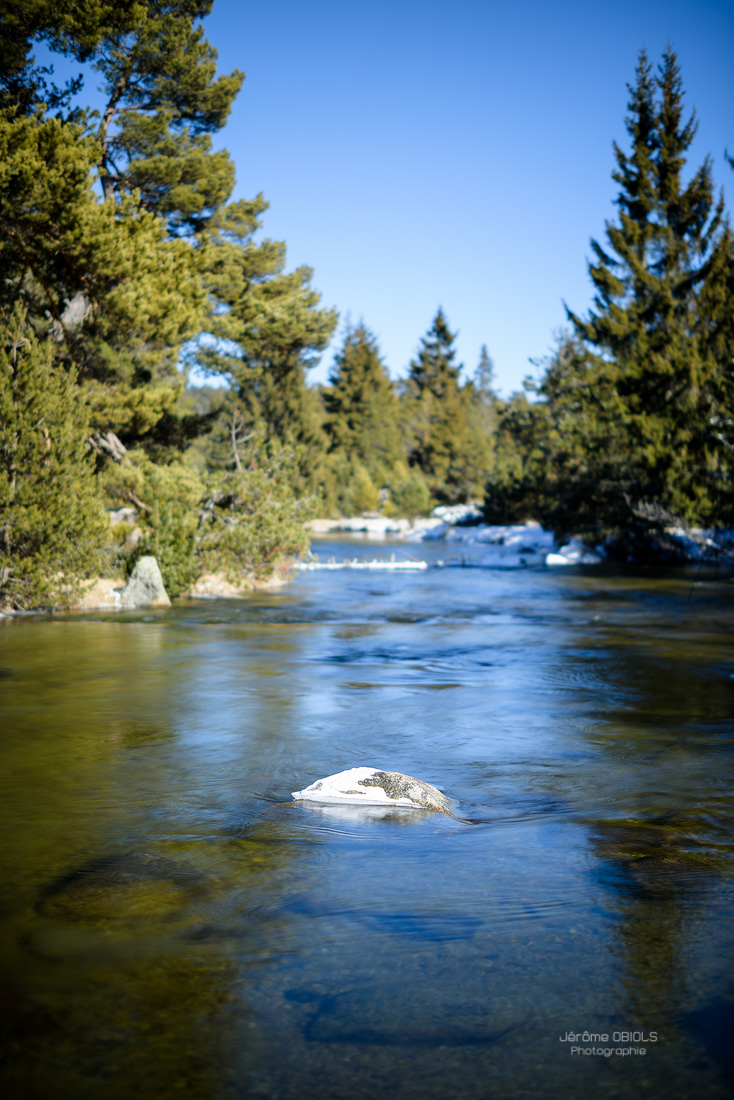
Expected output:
(573, 553)
(458, 513)
(145, 586)
(372, 787)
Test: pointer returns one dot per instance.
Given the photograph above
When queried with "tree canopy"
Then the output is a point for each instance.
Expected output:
(632, 430)
(119, 246)
(446, 442)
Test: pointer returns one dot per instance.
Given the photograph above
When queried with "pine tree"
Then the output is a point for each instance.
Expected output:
(52, 527)
(483, 415)
(115, 284)
(112, 285)
(101, 281)
(268, 330)
(164, 101)
(443, 442)
(362, 407)
(483, 380)
(646, 329)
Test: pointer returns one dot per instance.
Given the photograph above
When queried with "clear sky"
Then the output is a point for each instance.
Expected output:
(455, 154)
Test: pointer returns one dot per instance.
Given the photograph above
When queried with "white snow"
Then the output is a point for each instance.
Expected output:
(509, 546)
(356, 564)
(343, 788)
(506, 547)
(574, 553)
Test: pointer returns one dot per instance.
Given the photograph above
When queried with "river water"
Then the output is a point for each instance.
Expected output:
(173, 924)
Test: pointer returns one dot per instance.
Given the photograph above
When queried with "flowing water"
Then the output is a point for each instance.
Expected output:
(173, 924)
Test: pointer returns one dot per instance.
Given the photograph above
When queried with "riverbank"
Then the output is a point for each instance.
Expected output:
(527, 543)
(116, 593)
(493, 546)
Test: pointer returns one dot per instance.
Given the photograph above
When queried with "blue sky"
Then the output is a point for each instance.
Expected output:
(458, 153)
(455, 154)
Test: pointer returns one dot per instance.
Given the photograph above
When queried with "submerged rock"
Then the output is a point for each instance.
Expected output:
(130, 886)
(371, 787)
(145, 587)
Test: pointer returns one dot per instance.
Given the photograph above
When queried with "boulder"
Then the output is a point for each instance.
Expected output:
(145, 586)
(134, 886)
(371, 787)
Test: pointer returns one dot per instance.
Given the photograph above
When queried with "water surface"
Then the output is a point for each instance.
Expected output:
(174, 925)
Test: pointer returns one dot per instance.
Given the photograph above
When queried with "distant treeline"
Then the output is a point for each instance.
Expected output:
(122, 257)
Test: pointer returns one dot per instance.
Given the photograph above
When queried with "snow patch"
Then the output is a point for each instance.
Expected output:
(574, 553)
(399, 566)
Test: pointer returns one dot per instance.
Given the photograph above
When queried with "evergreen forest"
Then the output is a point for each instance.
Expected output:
(126, 263)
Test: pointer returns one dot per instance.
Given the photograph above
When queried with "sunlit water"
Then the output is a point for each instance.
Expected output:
(174, 925)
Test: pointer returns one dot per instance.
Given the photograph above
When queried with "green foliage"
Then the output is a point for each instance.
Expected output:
(409, 494)
(446, 441)
(268, 330)
(168, 500)
(361, 404)
(163, 100)
(52, 526)
(74, 27)
(243, 521)
(347, 488)
(518, 463)
(653, 357)
(100, 280)
(632, 431)
(114, 289)
(251, 521)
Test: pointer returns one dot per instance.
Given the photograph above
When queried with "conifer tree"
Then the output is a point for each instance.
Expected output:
(163, 101)
(101, 281)
(443, 442)
(52, 526)
(116, 283)
(484, 376)
(269, 330)
(647, 328)
(483, 413)
(113, 287)
(362, 407)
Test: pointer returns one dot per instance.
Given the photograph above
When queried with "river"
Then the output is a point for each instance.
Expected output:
(173, 924)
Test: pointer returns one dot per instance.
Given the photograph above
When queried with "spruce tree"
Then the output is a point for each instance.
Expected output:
(362, 407)
(52, 526)
(443, 442)
(483, 380)
(647, 328)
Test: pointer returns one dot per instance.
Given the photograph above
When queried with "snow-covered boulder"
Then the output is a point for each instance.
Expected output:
(573, 553)
(372, 787)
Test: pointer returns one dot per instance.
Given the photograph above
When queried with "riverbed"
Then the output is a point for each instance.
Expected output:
(174, 924)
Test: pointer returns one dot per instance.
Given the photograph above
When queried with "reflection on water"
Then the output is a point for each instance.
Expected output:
(173, 924)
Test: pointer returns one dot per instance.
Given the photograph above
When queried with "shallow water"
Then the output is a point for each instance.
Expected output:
(174, 925)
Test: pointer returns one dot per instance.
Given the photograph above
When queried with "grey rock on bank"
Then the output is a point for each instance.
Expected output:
(145, 586)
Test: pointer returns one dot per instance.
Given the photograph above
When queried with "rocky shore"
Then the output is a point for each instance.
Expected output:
(528, 543)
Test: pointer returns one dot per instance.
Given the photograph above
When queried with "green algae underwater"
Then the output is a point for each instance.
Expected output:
(173, 924)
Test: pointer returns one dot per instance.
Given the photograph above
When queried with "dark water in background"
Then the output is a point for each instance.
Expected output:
(172, 925)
